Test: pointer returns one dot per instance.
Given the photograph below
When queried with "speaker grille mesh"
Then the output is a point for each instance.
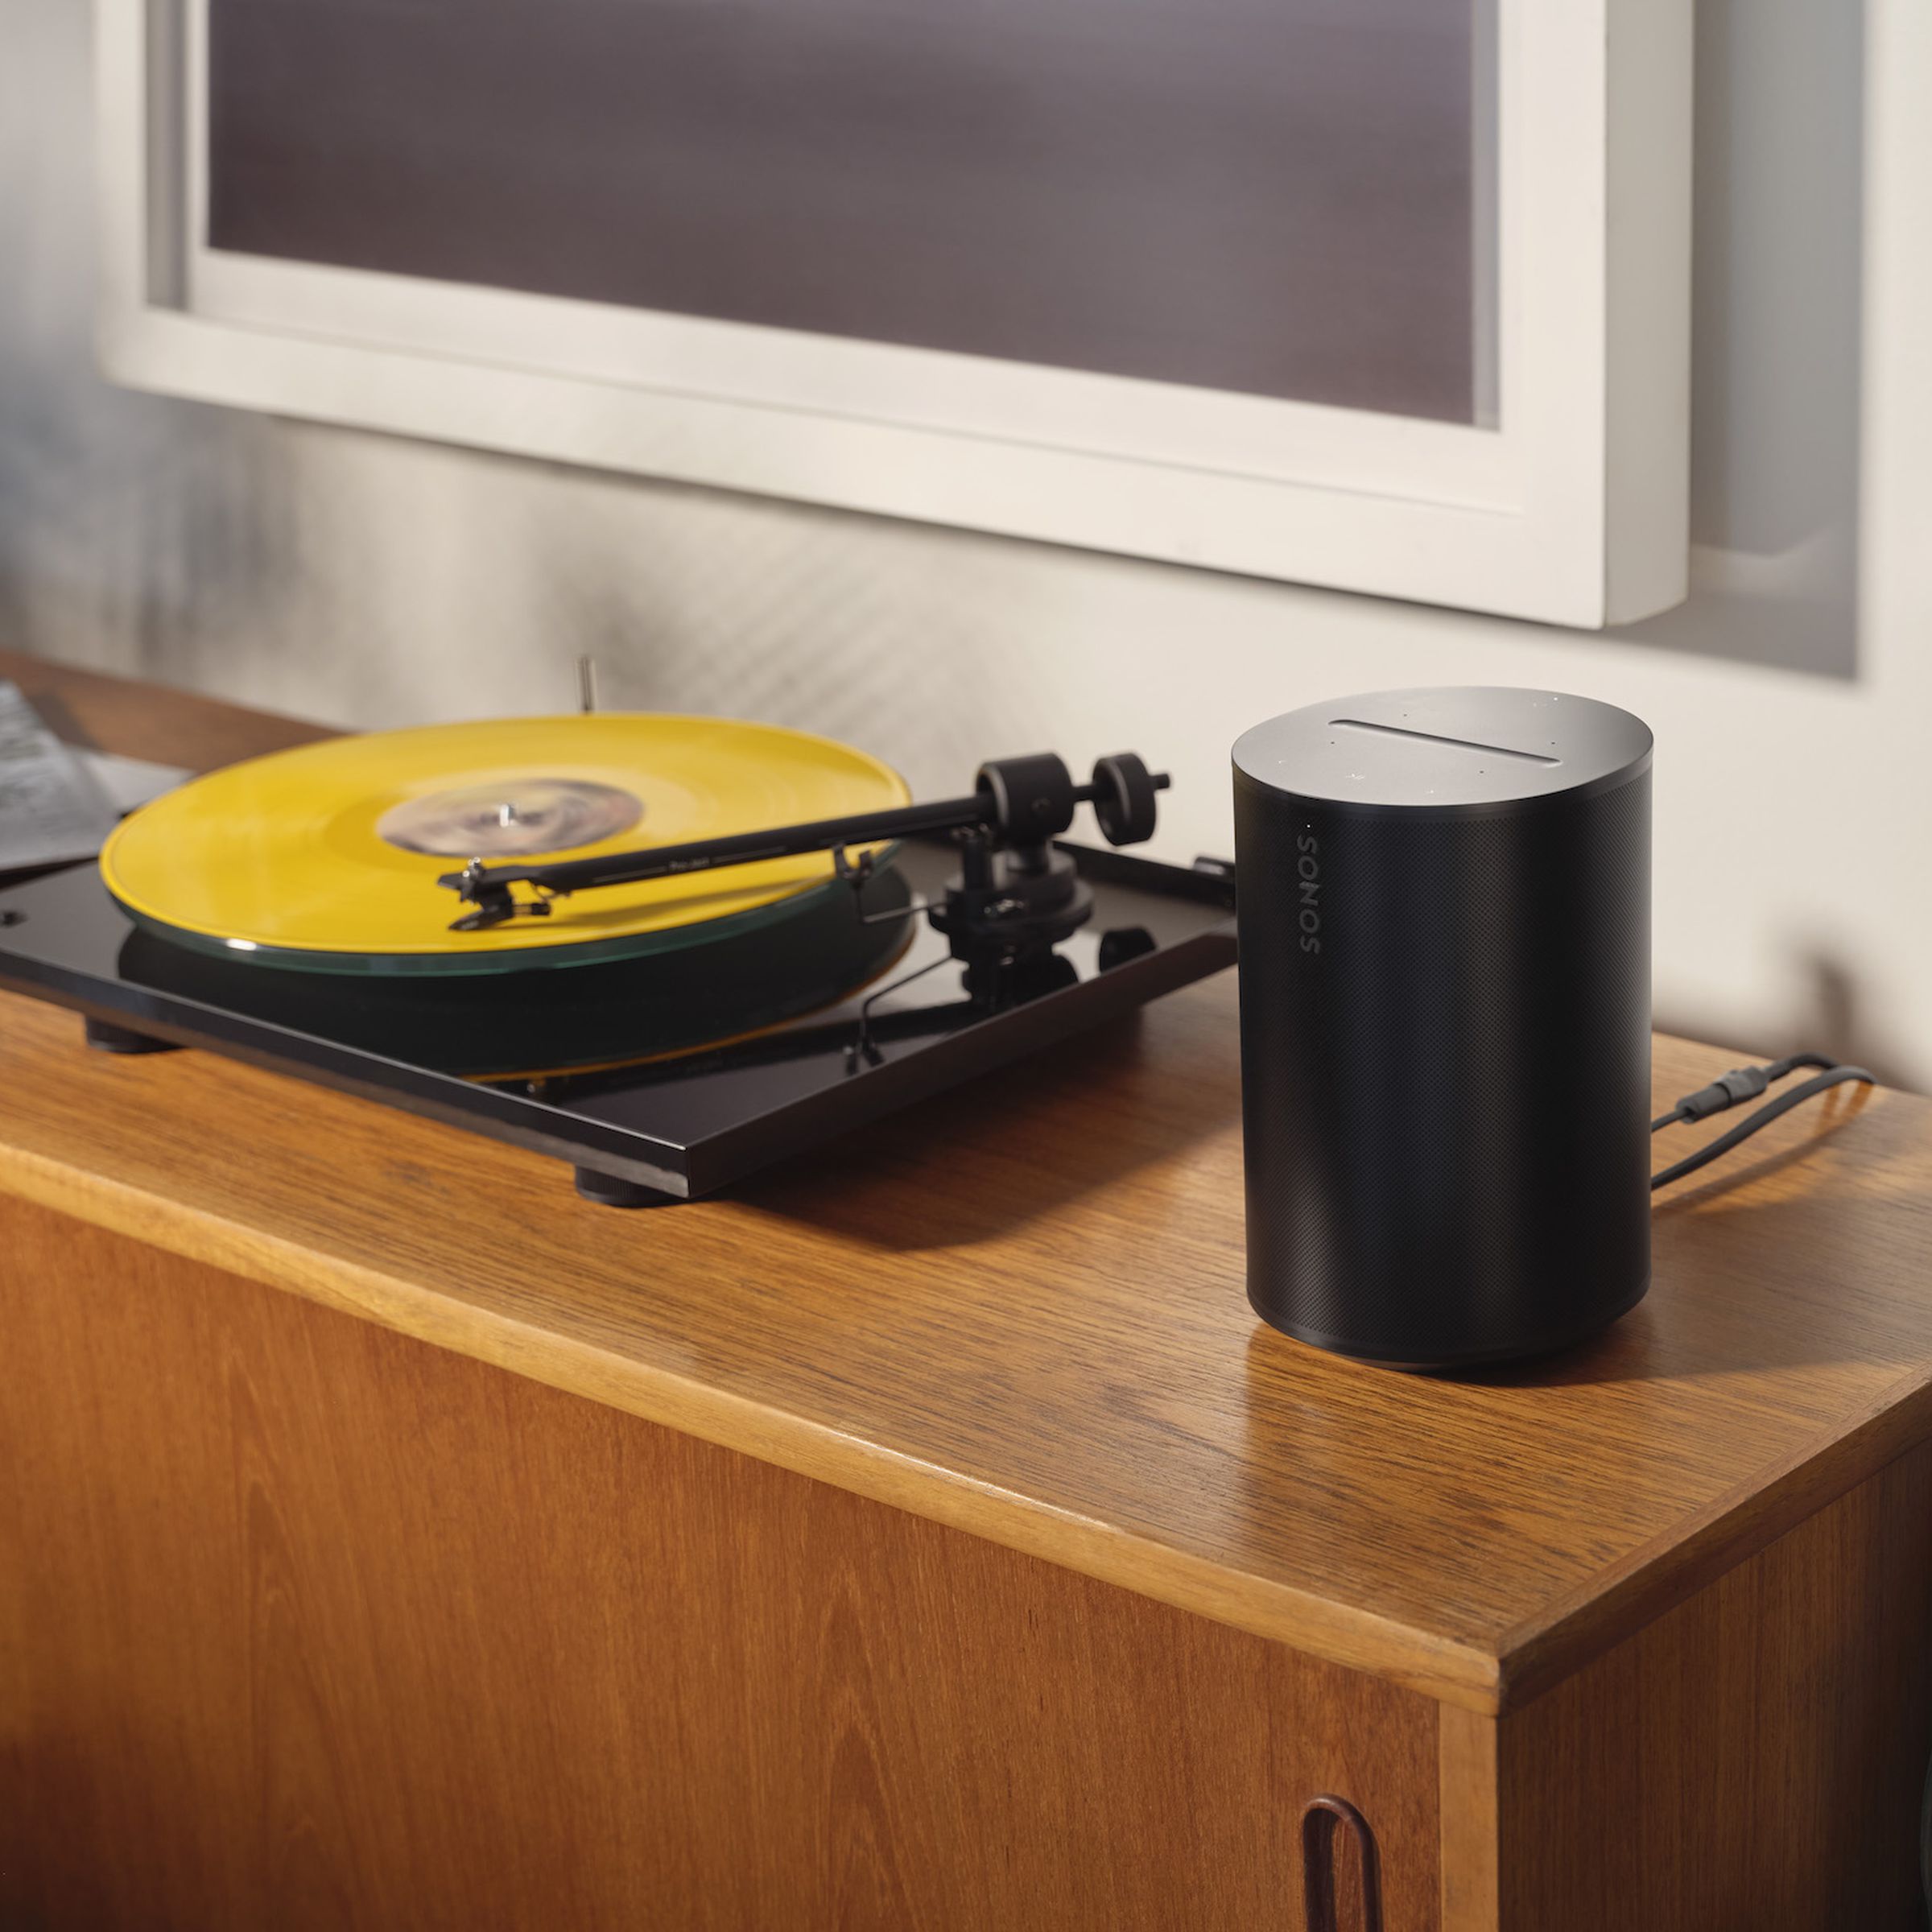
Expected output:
(1447, 1104)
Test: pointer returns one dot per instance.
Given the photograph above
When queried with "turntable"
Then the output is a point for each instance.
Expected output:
(665, 950)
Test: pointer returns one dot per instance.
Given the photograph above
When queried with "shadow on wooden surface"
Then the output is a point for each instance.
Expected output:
(866, 1186)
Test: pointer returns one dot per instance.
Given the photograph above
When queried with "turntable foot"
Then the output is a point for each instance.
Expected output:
(104, 1036)
(612, 1190)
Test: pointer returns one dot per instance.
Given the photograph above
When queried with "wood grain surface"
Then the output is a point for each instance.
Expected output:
(140, 721)
(307, 1624)
(1752, 1761)
(1020, 1311)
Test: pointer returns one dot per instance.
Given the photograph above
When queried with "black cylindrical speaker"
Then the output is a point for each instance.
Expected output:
(1444, 905)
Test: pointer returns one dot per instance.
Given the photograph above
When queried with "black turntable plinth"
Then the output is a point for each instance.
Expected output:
(604, 1065)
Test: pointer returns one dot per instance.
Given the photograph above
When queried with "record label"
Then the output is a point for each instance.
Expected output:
(533, 816)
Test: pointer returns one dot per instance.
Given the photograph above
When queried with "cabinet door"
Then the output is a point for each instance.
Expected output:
(307, 1622)
(1755, 1758)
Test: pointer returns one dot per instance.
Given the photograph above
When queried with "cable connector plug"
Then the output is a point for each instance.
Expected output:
(1744, 1084)
(1727, 1090)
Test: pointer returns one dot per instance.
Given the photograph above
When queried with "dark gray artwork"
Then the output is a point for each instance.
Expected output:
(1270, 197)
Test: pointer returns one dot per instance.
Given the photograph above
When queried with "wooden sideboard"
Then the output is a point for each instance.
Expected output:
(926, 1535)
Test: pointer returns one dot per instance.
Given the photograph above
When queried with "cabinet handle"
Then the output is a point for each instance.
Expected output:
(1321, 1820)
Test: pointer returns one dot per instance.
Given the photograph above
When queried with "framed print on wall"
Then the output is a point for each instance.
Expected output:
(1388, 295)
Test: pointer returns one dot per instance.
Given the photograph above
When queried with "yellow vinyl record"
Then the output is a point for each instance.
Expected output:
(327, 856)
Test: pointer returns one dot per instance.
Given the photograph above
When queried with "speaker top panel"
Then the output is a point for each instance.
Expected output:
(1454, 749)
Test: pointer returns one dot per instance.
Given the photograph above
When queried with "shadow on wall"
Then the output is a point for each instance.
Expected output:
(1832, 1016)
(1778, 313)
(142, 533)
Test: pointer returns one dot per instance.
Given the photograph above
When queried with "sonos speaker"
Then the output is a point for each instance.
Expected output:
(1444, 905)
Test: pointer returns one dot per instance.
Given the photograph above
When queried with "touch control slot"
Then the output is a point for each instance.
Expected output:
(1432, 738)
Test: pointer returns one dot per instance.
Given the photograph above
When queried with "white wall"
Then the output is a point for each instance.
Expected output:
(376, 582)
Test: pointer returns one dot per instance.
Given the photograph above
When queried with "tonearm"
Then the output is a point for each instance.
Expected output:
(1013, 886)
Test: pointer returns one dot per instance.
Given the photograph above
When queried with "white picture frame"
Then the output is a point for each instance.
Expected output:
(1572, 509)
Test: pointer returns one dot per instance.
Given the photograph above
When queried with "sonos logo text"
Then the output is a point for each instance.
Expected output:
(1308, 869)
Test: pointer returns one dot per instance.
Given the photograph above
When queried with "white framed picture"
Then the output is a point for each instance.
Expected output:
(1387, 296)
